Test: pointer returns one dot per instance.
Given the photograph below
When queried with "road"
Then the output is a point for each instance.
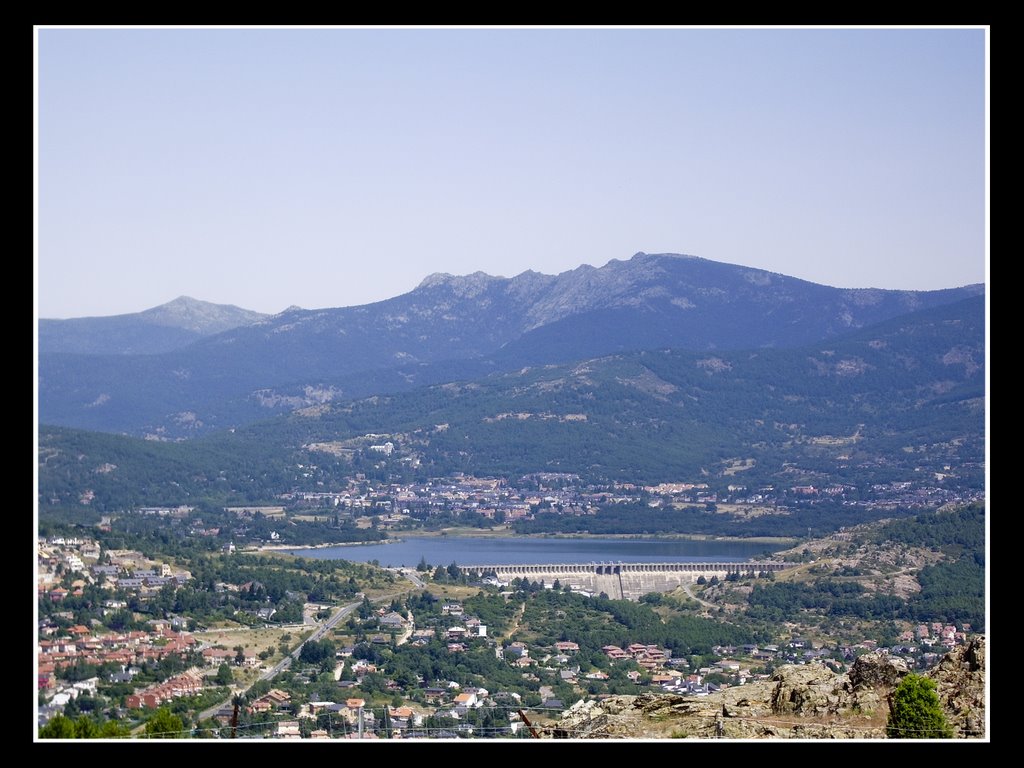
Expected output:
(322, 630)
(705, 603)
(411, 576)
(284, 663)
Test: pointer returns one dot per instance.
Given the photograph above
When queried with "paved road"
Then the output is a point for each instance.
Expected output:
(411, 576)
(322, 630)
(284, 663)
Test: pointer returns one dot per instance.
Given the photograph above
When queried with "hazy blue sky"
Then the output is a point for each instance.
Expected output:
(333, 167)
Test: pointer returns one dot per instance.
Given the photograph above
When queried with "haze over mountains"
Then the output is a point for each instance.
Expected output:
(172, 325)
(178, 373)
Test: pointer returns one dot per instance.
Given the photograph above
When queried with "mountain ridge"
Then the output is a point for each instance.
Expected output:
(163, 328)
(649, 301)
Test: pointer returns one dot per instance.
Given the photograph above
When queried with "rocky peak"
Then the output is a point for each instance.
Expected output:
(201, 317)
(464, 286)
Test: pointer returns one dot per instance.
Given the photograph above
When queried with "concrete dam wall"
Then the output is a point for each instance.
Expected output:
(628, 581)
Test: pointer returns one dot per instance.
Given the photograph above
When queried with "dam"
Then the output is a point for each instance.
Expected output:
(623, 581)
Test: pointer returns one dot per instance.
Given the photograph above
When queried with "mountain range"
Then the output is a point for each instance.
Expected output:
(899, 400)
(173, 372)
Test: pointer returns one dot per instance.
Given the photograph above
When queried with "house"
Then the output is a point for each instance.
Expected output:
(88, 686)
(393, 620)
(402, 717)
(517, 650)
(272, 699)
(260, 705)
(288, 729)
(615, 653)
(214, 657)
(122, 677)
(563, 646)
(278, 697)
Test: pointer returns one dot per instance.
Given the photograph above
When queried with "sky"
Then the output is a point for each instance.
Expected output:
(331, 167)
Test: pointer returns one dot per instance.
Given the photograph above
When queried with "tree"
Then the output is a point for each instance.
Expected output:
(207, 729)
(915, 711)
(164, 725)
(59, 727)
(112, 729)
(224, 676)
(86, 728)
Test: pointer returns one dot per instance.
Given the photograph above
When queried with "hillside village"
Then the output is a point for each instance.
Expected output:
(366, 510)
(351, 682)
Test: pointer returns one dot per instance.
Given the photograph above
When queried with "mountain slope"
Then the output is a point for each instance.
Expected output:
(169, 326)
(915, 381)
(464, 324)
(900, 399)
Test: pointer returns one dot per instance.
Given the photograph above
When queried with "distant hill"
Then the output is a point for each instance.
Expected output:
(878, 405)
(170, 326)
(452, 328)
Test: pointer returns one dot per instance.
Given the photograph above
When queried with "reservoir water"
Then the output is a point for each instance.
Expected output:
(511, 550)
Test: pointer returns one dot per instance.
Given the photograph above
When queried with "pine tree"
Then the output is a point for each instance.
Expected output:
(164, 725)
(915, 711)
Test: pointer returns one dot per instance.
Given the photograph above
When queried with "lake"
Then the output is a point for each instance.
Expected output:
(511, 550)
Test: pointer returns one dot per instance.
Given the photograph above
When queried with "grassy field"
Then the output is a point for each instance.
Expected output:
(250, 638)
(451, 591)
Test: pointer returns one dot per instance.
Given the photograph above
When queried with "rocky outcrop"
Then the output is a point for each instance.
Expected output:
(799, 702)
(960, 683)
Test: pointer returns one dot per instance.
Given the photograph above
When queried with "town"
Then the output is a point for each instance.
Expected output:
(251, 644)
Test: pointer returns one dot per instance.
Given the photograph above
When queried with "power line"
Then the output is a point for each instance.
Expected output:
(551, 730)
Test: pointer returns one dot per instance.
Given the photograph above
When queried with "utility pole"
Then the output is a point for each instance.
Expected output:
(533, 731)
